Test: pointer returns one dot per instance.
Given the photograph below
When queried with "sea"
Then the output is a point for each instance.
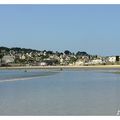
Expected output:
(54, 92)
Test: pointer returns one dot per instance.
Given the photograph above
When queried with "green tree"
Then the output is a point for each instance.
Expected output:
(81, 53)
(1, 56)
(73, 59)
(67, 52)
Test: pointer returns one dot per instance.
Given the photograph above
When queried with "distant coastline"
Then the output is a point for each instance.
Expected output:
(20, 57)
(61, 67)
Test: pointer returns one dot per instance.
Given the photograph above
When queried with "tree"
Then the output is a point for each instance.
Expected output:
(117, 58)
(49, 52)
(1, 56)
(67, 52)
(73, 59)
(16, 49)
(81, 53)
(5, 48)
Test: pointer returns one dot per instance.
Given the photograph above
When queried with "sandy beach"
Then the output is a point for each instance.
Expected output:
(62, 67)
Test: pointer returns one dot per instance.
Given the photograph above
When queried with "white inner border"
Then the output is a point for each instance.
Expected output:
(59, 1)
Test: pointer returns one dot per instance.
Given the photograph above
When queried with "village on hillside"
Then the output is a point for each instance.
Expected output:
(29, 57)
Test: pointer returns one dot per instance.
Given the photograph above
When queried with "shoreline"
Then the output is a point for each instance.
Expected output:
(61, 67)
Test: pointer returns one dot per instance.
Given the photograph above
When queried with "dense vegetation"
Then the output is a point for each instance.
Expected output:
(28, 50)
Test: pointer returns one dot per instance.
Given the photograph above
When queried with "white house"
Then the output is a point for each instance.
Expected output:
(79, 62)
(29, 54)
(61, 60)
(43, 64)
(22, 57)
(97, 61)
(112, 59)
(8, 59)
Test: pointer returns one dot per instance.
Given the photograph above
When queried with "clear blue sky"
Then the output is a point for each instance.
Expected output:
(91, 28)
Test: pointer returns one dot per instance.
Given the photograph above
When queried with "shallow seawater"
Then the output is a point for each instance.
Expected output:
(67, 92)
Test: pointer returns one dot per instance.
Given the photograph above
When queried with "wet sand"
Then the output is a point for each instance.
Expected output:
(61, 67)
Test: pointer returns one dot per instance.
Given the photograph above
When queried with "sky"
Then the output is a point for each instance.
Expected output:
(91, 28)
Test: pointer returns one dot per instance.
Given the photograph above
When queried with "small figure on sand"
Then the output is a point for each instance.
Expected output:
(25, 71)
(61, 69)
